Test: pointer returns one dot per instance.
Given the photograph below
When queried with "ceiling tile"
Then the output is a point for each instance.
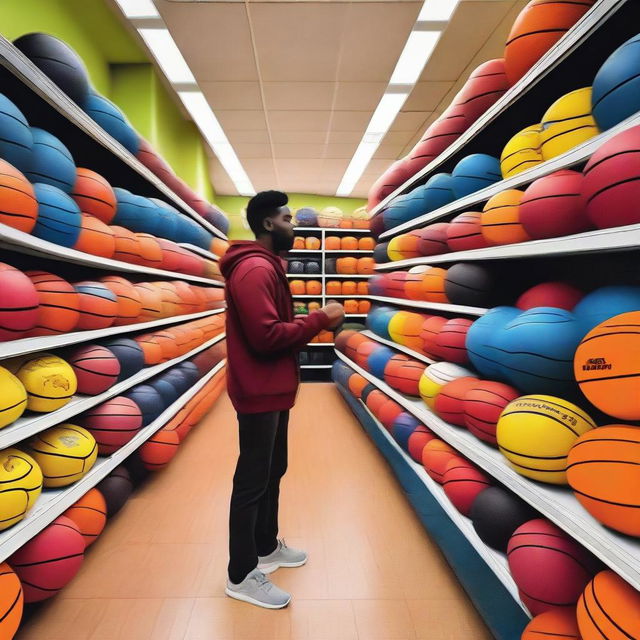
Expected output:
(244, 120)
(252, 150)
(350, 121)
(256, 136)
(426, 96)
(293, 137)
(299, 120)
(341, 137)
(298, 168)
(391, 150)
(341, 150)
(299, 150)
(359, 96)
(283, 96)
(410, 120)
(232, 95)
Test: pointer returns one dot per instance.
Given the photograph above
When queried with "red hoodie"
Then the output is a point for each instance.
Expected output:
(263, 338)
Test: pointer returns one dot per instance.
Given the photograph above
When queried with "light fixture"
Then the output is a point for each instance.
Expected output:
(166, 52)
(414, 56)
(437, 10)
(198, 107)
(138, 9)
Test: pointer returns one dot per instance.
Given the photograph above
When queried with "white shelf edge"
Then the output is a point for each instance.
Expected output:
(24, 428)
(199, 250)
(398, 347)
(332, 230)
(305, 296)
(342, 276)
(21, 242)
(341, 251)
(328, 276)
(53, 503)
(356, 315)
(619, 552)
(355, 296)
(320, 344)
(316, 366)
(297, 276)
(437, 306)
(554, 56)
(41, 343)
(577, 155)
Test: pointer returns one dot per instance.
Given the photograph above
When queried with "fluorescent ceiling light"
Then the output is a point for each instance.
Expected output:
(138, 9)
(414, 56)
(166, 52)
(437, 10)
(385, 113)
(202, 114)
(360, 160)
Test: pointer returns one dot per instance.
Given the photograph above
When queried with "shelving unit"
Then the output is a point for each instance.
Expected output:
(398, 347)
(436, 306)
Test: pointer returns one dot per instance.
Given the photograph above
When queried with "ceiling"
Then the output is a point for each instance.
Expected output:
(294, 84)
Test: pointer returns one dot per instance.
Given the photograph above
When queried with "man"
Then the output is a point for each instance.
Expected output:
(263, 340)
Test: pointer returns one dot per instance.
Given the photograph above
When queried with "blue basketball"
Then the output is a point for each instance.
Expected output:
(340, 373)
(113, 121)
(401, 210)
(129, 355)
(217, 218)
(380, 254)
(402, 428)
(616, 87)
(136, 213)
(378, 321)
(59, 217)
(606, 302)
(475, 172)
(537, 350)
(177, 379)
(481, 335)
(168, 219)
(306, 217)
(16, 137)
(438, 192)
(166, 390)
(149, 400)
(189, 370)
(377, 361)
(51, 161)
(377, 285)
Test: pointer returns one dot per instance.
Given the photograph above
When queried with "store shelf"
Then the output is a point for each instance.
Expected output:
(356, 315)
(437, 306)
(312, 276)
(25, 427)
(306, 296)
(398, 347)
(332, 230)
(619, 552)
(355, 296)
(602, 240)
(305, 251)
(199, 250)
(349, 276)
(53, 503)
(15, 240)
(320, 344)
(46, 343)
(349, 252)
(583, 29)
(316, 366)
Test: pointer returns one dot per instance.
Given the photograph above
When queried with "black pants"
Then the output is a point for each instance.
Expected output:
(253, 518)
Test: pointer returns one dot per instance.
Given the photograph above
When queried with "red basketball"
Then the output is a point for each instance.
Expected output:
(50, 560)
(550, 294)
(433, 239)
(96, 237)
(191, 264)
(19, 307)
(549, 567)
(98, 305)
(96, 368)
(159, 450)
(393, 365)
(611, 186)
(129, 300)
(483, 88)
(94, 195)
(394, 284)
(112, 423)
(438, 136)
(171, 255)
(59, 310)
(465, 232)
(386, 184)
(450, 341)
(436, 456)
(552, 206)
(449, 403)
(463, 482)
(388, 413)
(375, 400)
(429, 334)
(405, 377)
(19, 204)
(363, 351)
(418, 440)
(483, 404)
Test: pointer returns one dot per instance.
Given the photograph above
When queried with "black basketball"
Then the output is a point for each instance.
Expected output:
(312, 266)
(296, 266)
(376, 225)
(380, 254)
(129, 355)
(149, 400)
(366, 391)
(330, 265)
(469, 284)
(496, 514)
(116, 489)
(178, 379)
(59, 61)
(167, 391)
(190, 370)
(304, 358)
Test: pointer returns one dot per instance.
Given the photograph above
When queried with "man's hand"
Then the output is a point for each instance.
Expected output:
(335, 311)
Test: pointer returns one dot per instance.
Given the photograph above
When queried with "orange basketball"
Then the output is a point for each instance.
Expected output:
(298, 242)
(94, 195)
(90, 515)
(297, 287)
(351, 306)
(219, 247)
(557, 624)
(167, 343)
(388, 413)
(201, 298)
(364, 306)
(129, 300)
(428, 335)
(432, 286)
(59, 310)
(334, 288)
(362, 288)
(150, 348)
(608, 608)
(347, 265)
(127, 245)
(412, 285)
(357, 383)
(436, 455)
(366, 244)
(332, 243)
(349, 243)
(312, 243)
(313, 288)
(361, 224)
(159, 450)
(500, 219)
(189, 300)
(349, 288)
(366, 266)
(171, 255)
(98, 305)
(450, 401)
(96, 237)
(407, 330)
(346, 224)
(405, 377)
(151, 254)
(171, 303)
(19, 205)
(151, 301)
(11, 602)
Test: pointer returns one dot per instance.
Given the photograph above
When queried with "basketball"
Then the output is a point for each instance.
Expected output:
(127, 245)
(388, 412)
(65, 454)
(486, 84)
(450, 340)
(159, 450)
(151, 349)
(567, 123)
(473, 173)
(378, 360)
(116, 489)
(536, 433)
(51, 164)
(21, 480)
(96, 238)
(405, 377)
(112, 423)
(433, 239)
(89, 514)
(469, 284)
(171, 255)
(150, 251)
(436, 376)
(151, 302)
(128, 298)
(522, 152)
(408, 331)
(11, 602)
(98, 305)
(438, 192)
(418, 439)
(402, 247)
(603, 470)
(552, 206)
(605, 303)
(433, 285)
(19, 204)
(50, 382)
(129, 355)
(436, 455)
(16, 139)
(449, 403)
(550, 294)
(13, 397)
(606, 366)
(94, 195)
(402, 428)
(356, 384)
(112, 120)
(608, 608)
(556, 624)
(483, 404)
(465, 232)
(429, 331)
(463, 482)
(59, 306)
(500, 221)
(96, 368)
(549, 568)
(364, 350)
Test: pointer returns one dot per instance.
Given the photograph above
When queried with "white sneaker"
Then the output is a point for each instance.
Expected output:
(283, 556)
(257, 589)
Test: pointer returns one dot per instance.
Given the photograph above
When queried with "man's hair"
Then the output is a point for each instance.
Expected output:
(263, 205)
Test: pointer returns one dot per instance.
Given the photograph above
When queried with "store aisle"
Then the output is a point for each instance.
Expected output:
(158, 570)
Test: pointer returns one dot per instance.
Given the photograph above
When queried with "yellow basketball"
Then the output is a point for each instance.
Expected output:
(567, 123)
(13, 398)
(21, 484)
(435, 376)
(522, 152)
(49, 380)
(396, 325)
(395, 248)
(65, 453)
(535, 433)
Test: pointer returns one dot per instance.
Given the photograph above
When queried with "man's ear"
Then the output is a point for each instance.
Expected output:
(267, 224)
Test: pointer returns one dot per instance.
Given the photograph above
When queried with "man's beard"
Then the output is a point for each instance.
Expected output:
(281, 242)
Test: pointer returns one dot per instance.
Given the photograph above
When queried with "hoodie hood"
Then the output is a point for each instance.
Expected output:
(240, 251)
